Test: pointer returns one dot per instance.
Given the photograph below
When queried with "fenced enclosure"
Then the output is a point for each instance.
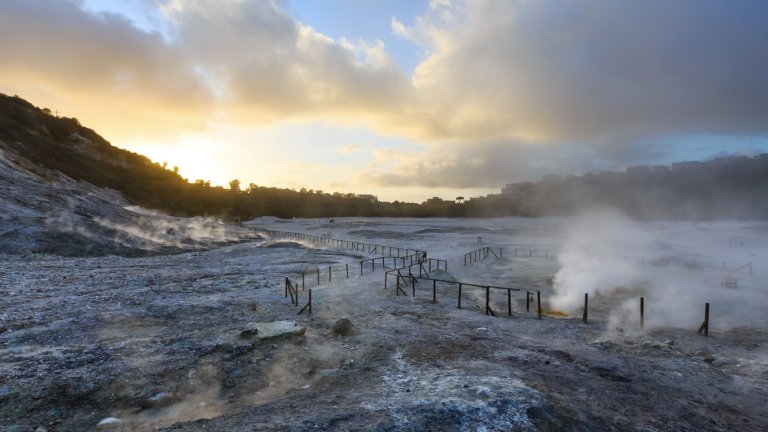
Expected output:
(410, 271)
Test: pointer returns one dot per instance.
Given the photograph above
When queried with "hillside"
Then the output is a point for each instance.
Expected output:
(62, 144)
(58, 192)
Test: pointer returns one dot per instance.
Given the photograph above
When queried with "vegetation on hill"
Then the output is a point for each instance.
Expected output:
(725, 188)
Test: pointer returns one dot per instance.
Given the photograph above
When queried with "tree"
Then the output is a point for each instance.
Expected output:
(460, 199)
(234, 185)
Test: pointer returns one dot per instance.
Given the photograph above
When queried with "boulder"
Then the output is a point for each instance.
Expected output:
(273, 330)
(343, 327)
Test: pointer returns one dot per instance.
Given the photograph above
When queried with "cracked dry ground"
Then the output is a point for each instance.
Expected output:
(155, 342)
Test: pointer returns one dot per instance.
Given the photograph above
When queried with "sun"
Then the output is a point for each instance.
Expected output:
(195, 157)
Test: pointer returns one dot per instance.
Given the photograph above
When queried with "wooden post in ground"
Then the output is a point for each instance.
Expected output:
(509, 302)
(642, 312)
(538, 302)
(318, 275)
(586, 307)
(487, 299)
(527, 301)
(459, 295)
(434, 291)
(347, 270)
(329, 273)
(705, 325)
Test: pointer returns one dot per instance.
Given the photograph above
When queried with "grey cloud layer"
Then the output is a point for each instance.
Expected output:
(520, 72)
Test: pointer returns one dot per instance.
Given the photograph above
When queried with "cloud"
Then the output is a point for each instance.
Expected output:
(454, 165)
(593, 70)
(349, 148)
(98, 65)
(242, 60)
(505, 87)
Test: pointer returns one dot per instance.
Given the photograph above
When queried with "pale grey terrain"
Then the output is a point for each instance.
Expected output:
(151, 329)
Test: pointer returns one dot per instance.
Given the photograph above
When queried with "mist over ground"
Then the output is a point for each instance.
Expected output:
(676, 267)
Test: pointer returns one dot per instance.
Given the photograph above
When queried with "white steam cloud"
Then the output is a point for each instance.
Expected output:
(616, 260)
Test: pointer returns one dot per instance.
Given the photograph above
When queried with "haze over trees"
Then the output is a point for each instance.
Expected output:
(735, 187)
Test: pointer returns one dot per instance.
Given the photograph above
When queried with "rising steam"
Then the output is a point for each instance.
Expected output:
(616, 260)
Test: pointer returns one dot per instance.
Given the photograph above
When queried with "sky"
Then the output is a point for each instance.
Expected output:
(404, 99)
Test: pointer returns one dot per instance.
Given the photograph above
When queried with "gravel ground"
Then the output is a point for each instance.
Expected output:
(117, 343)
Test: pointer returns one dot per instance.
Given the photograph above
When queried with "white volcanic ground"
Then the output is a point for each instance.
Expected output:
(141, 325)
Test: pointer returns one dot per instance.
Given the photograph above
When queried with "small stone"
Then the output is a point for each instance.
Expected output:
(108, 423)
(41, 429)
(343, 327)
(483, 391)
(159, 399)
(273, 330)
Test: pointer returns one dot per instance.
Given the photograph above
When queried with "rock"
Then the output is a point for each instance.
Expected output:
(483, 392)
(41, 429)
(343, 327)
(273, 330)
(159, 399)
(109, 423)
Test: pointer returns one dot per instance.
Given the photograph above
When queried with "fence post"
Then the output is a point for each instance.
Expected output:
(361, 268)
(459, 295)
(509, 302)
(642, 312)
(434, 291)
(538, 302)
(347, 270)
(705, 325)
(318, 275)
(527, 301)
(329, 273)
(487, 299)
(586, 307)
(302, 281)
